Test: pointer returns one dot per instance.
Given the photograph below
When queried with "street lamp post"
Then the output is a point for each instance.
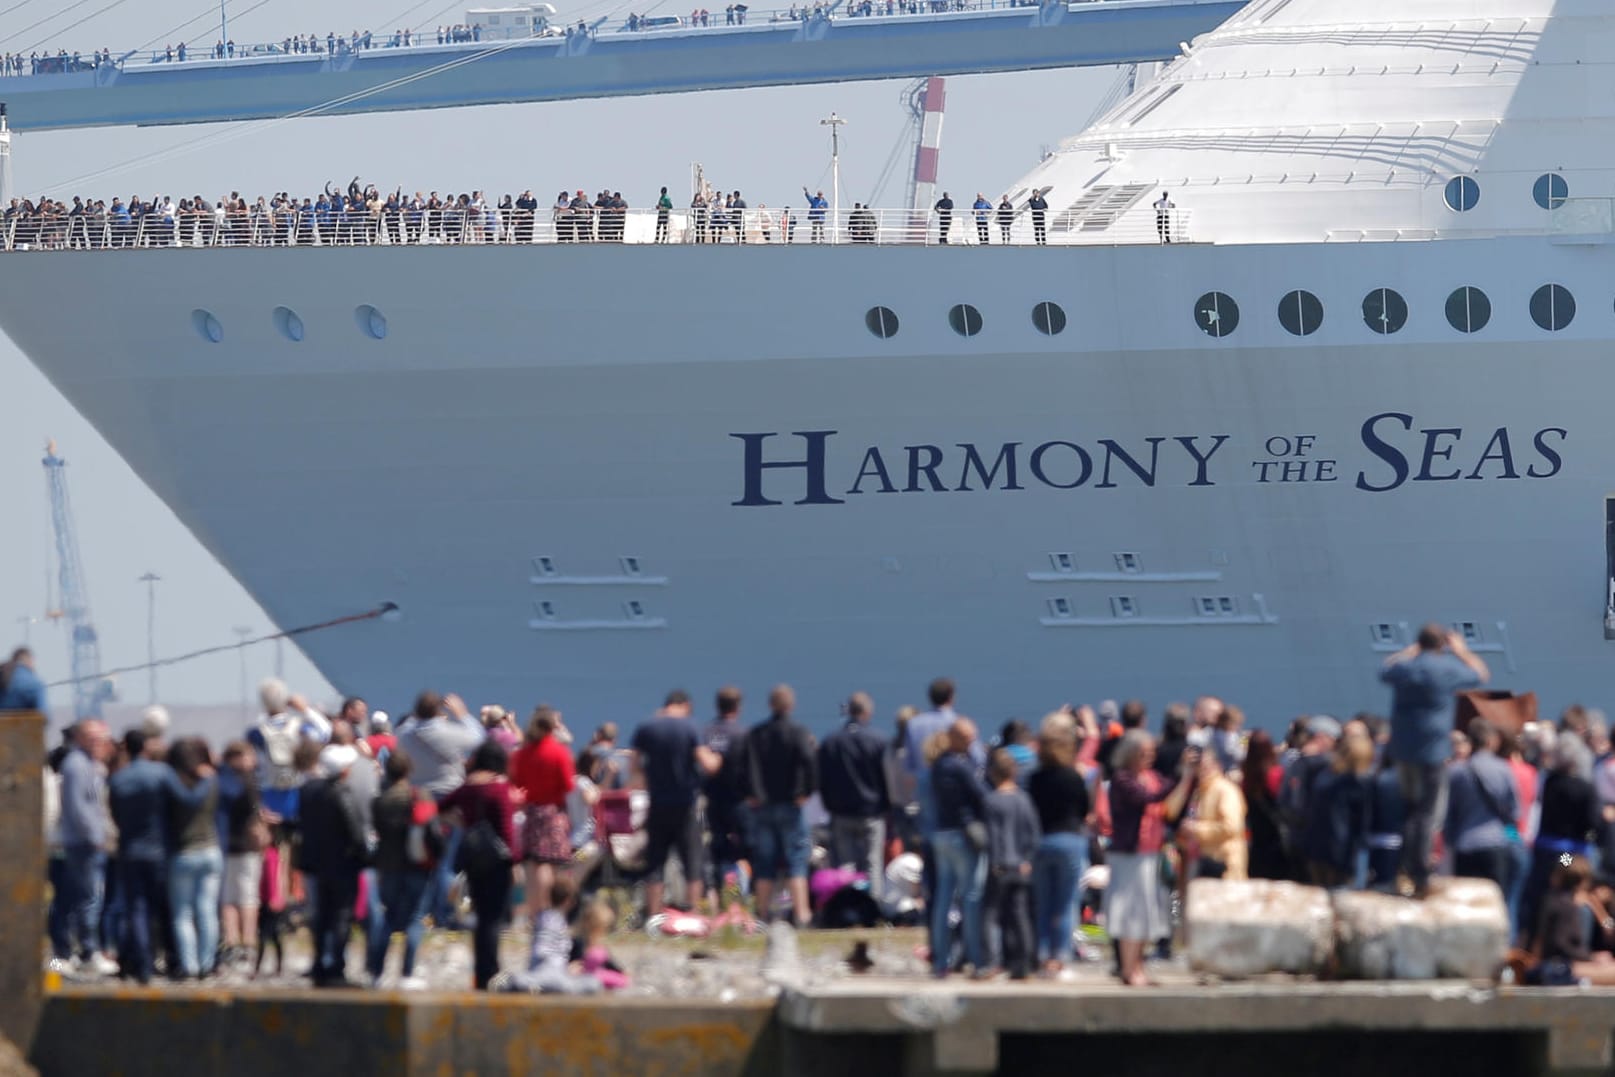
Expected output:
(151, 580)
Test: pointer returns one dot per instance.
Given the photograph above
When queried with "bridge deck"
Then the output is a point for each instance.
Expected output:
(611, 61)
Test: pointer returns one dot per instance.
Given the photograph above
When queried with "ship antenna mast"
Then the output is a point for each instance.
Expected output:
(834, 123)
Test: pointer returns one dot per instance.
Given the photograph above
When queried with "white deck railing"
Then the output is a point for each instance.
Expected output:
(760, 226)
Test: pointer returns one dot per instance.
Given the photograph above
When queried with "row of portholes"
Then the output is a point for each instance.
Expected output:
(964, 319)
(371, 322)
(1462, 193)
(1468, 310)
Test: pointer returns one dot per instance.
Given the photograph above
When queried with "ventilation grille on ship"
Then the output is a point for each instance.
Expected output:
(1100, 207)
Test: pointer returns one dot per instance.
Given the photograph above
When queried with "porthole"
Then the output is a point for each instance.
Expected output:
(1463, 194)
(1550, 190)
(1384, 311)
(289, 324)
(207, 326)
(1300, 313)
(372, 323)
(881, 322)
(1468, 310)
(1216, 314)
(1552, 307)
(965, 319)
(1049, 319)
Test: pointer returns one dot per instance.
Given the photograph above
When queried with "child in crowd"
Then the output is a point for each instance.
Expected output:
(1012, 837)
(271, 909)
(598, 920)
(550, 968)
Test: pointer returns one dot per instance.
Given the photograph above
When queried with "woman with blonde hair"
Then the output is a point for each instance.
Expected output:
(1060, 796)
(1216, 821)
(1337, 820)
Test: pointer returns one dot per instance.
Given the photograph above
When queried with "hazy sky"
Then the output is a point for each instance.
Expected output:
(766, 142)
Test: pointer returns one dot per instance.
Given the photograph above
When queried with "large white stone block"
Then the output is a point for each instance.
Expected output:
(1383, 937)
(1471, 926)
(1460, 931)
(1246, 928)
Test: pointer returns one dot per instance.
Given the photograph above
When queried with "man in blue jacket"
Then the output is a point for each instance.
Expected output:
(20, 687)
(1425, 679)
(140, 796)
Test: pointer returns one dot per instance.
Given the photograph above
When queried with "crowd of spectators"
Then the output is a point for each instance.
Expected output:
(1007, 850)
(363, 214)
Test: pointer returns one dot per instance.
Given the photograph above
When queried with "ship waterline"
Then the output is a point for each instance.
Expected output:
(583, 480)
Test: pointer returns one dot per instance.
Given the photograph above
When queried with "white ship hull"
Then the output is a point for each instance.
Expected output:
(582, 405)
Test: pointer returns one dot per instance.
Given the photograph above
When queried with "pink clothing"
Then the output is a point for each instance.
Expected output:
(595, 959)
(271, 894)
(1525, 783)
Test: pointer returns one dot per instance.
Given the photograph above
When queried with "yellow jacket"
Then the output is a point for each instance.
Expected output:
(1217, 822)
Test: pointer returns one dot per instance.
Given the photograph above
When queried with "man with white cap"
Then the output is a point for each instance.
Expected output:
(332, 854)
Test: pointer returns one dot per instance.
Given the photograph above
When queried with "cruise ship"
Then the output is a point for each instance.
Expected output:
(1358, 390)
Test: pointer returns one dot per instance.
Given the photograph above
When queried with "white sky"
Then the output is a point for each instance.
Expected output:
(765, 142)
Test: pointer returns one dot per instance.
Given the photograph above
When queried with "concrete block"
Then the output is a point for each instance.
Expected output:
(22, 874)
(1460, 931)
(1471, 927)
(1383, 937)
(1241, 928)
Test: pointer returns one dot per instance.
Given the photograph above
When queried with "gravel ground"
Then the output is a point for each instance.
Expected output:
(727, 966)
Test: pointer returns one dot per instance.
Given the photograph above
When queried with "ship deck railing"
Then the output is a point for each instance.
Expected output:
(760, 226)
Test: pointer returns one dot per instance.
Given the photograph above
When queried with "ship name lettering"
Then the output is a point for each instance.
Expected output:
(1440, 456)
(770, 471)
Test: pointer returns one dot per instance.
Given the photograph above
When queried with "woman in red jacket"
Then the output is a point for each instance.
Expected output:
(541, 770)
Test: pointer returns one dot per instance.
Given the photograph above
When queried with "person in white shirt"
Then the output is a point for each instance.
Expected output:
(1163, 217)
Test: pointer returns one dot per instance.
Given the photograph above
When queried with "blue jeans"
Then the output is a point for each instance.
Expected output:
(143, 888)
(193, 900)
(961, 874)
(443, 913)
(1057, 869)
(1520, 867)
(780, 844)
(403, 904)
(76, 907)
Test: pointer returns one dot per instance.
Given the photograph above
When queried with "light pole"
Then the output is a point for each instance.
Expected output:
(835, 123)
(224, 27)
(151, 580)
(246, 706)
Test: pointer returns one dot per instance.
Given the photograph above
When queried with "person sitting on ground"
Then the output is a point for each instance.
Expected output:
(1564, 947)
(597, 922)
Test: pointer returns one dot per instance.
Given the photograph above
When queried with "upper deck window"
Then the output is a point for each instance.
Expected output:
(1550, 190)
(1463, 194)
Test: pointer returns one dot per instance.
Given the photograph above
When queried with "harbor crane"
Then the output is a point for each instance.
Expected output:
(70, 604)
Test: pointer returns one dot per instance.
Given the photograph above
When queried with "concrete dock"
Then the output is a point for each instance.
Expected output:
(846, 1028)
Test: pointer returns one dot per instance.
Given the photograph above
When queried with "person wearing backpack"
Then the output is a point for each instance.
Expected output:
(409, 841)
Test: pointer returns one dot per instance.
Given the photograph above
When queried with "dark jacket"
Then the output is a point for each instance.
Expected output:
(959, 795)
(782, 766)
(1337, 820)
(139, 796)
(393, 814)
(855, 772)
(332, 829)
